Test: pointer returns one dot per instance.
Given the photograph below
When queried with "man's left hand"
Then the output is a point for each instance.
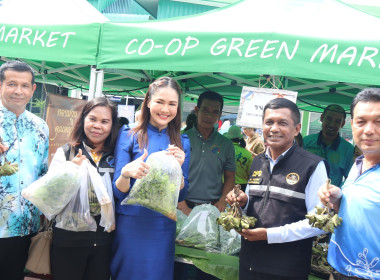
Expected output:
(254, 234)
(221, 204)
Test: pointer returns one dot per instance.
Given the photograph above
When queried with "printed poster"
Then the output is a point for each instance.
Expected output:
(61, 114)
(253, 101)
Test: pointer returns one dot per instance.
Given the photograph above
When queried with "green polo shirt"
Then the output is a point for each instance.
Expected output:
(208, 161)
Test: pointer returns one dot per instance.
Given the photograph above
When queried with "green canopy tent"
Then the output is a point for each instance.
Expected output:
(324, 49)
(59, 39)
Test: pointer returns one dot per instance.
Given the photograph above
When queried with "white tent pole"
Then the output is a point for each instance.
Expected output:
(92, 88)
(99, 82)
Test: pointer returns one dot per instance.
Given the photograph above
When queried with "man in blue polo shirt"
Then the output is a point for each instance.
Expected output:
(330, 145)
(353, 250)
(212, 157)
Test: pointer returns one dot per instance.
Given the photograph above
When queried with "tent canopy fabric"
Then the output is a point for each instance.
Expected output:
(50, 34)
(325, 61)
(288, 44)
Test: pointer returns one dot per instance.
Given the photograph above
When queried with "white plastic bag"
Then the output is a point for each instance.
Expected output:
(103, 188)
(200, 229)
(159, 189)
(53, 191)
(76, 216)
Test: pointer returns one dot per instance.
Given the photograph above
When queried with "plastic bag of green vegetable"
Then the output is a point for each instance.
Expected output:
(76, 216)
(159, 189)
(53, 191)
(200, 229)
(230, 241)
(181, 217)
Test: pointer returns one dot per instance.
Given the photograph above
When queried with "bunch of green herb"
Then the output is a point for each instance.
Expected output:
(324, 218)
(8, 168)
(234, 218)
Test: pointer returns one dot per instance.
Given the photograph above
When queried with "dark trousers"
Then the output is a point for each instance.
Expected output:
(200, 275)
(81, 263)
(254, 275)
(13, 257)
(183, 271)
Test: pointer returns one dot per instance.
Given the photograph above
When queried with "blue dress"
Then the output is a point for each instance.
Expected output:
(143, 246)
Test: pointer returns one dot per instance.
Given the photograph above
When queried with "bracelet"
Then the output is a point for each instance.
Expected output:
(125, 177)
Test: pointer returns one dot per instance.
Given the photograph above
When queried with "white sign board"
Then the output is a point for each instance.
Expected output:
(127, 111)
(253, 101)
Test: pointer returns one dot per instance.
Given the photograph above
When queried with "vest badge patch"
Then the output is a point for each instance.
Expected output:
(255, 178)
(292, 178)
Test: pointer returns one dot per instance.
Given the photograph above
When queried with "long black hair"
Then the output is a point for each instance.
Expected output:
(78, 136)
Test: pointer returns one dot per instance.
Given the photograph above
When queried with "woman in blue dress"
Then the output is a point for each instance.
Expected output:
(143, 246)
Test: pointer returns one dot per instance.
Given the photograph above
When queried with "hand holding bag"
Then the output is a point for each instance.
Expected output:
(39, 251)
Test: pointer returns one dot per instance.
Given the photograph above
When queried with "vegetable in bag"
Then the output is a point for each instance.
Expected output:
(76, 216)
(200, 229)
(230, 242)
(181, 217)
(53, 191)
(159, 189)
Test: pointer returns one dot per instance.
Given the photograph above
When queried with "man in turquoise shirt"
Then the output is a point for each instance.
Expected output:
(330, 145)
(25, 141)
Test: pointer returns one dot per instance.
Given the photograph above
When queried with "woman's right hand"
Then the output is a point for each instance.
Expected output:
(137, 168)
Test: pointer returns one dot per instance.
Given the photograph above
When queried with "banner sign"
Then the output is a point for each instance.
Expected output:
(127, 111)
(253, 101)
(61, 114)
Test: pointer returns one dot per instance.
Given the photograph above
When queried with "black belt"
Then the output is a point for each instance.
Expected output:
(193, 204)
(339, 276)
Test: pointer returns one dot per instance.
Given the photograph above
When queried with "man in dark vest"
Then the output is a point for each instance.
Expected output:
(282, 188)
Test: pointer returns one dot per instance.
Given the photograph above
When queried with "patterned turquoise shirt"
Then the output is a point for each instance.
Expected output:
(28, 140)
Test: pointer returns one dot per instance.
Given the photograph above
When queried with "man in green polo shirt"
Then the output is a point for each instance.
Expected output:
(212, 156)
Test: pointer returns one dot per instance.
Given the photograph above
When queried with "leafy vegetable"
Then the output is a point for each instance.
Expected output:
(159, 189)
(155, 191)
(53, 191)
(230, 242)
(200, 229)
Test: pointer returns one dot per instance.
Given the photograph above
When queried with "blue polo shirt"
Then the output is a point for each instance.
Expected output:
(208, 161)
(354, 249)
(339, 155)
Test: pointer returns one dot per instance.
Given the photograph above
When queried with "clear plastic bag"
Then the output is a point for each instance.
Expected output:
(76, 216)
(107, 213)
(53, 191)
(159, 189)
(200, 229)
(230, 241)
(181, 217)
